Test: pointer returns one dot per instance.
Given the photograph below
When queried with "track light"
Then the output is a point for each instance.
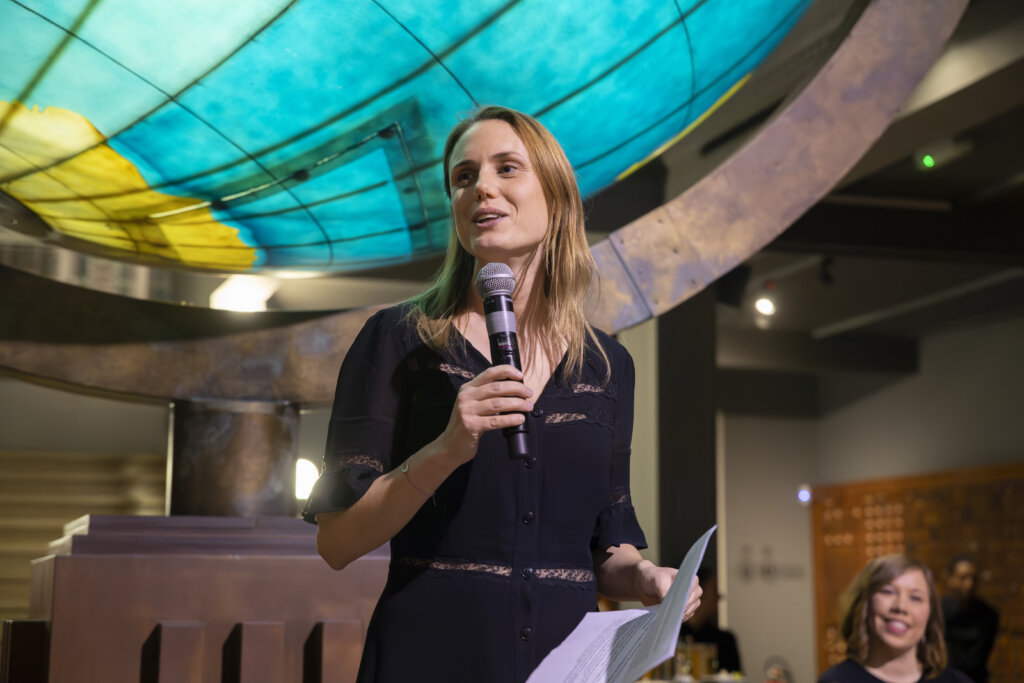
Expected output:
(765, 306)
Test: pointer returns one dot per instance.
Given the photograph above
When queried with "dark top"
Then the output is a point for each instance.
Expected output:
(486, 579)
(970, 635)
(725, 642)
(849, 671)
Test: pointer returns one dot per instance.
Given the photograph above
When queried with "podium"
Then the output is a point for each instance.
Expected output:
(192, 599)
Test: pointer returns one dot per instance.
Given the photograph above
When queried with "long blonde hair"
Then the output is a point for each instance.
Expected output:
(568, 269)
(856, 612)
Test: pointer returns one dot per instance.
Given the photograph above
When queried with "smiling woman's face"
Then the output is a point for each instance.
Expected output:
(497, 200)
(899, 613)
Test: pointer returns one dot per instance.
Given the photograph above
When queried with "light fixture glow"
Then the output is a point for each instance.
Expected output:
(941, 152)
(243, 293)
(765, 306)
(306, 475)
(803, 494)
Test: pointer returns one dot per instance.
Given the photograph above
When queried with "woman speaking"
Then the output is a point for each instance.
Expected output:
(495, 557)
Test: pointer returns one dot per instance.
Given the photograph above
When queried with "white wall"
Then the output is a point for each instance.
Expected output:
(37, 418)
(313, 426)
(768, 530)
(642, 343)
(964, 407)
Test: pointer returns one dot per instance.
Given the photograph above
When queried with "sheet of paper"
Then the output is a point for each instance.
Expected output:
(619, 647)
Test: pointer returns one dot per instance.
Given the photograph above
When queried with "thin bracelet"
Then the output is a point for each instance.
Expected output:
(405, 471)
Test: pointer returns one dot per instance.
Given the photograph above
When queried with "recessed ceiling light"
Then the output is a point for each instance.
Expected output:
(765, 306)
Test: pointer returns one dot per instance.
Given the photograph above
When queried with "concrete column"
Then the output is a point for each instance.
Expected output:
(232, 458)
(686, 426)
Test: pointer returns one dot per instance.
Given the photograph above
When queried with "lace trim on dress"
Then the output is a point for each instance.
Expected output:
(608, 390)
(434, 363)
(562, 418)
(595, 415)
(360, 460)
(570, 575)
(563, 574)
(451, 369)
(618, 497)
(456, 565)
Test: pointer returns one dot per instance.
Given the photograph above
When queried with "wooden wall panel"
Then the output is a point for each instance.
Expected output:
(41, 491)
(978, 511)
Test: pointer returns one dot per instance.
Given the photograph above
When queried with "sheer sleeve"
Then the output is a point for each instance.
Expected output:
(361, 431)
(617, 523)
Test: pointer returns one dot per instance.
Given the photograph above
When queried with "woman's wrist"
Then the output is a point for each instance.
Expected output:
(639, 576)
(408, 478)
(428, 467)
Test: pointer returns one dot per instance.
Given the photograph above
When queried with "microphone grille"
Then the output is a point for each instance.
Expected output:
(495, 278)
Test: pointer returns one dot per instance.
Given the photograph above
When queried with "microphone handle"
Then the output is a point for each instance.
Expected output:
(505, 351)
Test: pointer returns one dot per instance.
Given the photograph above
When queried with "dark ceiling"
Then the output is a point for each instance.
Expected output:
(897, 251)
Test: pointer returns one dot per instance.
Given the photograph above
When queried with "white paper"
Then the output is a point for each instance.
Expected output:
(621, 646)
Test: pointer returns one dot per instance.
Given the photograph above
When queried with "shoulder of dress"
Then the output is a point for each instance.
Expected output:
(610, 344)
(399, 314)
(618, 356)
(394, 324)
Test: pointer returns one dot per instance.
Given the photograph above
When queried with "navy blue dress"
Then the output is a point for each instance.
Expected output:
(849, 671)
(490, 576)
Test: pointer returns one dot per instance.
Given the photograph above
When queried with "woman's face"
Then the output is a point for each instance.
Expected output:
(899, 613)
(497, 200)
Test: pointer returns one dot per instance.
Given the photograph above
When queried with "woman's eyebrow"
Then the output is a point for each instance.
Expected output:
(494, 157)
(502, 155)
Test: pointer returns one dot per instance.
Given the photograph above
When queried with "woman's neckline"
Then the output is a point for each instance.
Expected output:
(485, 362)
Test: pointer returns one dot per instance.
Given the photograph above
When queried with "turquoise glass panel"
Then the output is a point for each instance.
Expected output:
(307, 134)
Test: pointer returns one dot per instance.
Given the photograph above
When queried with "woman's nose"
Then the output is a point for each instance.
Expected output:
(484, 187)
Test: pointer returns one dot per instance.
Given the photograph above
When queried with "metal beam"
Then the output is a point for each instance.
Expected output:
(801, 353)
(988, 233)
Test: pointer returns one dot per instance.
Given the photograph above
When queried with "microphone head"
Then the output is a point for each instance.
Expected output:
(495, 279)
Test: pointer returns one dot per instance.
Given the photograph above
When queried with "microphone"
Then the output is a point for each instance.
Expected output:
(495, 283)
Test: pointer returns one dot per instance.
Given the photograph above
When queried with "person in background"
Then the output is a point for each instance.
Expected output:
(892, 625)
(703, 627)
(971, 623)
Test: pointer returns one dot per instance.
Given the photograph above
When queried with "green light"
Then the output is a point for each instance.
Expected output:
(928, 161)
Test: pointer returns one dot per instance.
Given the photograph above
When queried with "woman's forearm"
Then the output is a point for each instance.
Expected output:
(617, 569)
(623, 574)
(386, 507)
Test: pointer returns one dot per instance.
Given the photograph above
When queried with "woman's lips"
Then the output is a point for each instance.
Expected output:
(486, 218)
(896, 627)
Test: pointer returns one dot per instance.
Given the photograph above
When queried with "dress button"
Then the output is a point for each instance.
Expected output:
(538, 412)
(530, 461)
(526, 633)
(528, 517)
(527, 574)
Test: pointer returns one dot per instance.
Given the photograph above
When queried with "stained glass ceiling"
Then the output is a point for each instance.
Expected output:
(306, 135)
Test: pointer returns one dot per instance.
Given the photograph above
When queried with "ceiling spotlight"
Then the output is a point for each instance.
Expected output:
(243, 293)
(765, 306)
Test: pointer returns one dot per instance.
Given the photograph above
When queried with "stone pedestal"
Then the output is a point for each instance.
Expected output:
(193, 599)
